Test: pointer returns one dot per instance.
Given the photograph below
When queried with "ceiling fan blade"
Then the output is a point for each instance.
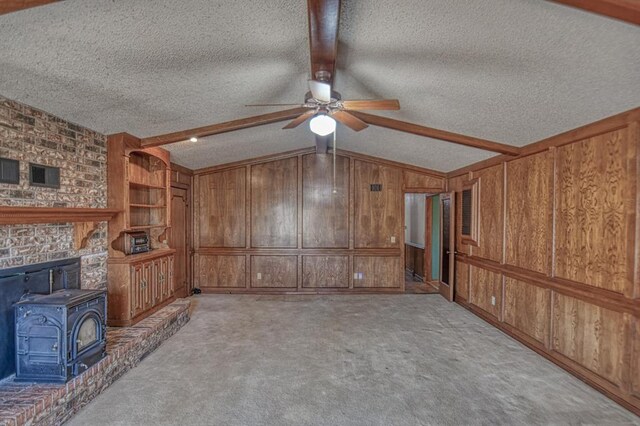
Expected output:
(227, 126)
(349, 120)
(442, 135)
(320, 90)
(269, 105)
(299, 120)
(373, 104)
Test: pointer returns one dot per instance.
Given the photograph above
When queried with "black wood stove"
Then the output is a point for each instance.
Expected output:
(59, 335)
(20, 282)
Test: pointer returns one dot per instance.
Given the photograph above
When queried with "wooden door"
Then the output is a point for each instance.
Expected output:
(447, 242)
(179, 240)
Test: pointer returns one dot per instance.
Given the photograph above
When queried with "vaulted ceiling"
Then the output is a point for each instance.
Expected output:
(509, 71)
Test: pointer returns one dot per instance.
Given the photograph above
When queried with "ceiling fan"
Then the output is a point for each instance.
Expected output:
(326, 106)
(322, 105)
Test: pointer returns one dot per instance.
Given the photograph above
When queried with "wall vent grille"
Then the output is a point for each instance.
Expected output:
(45, 176)
(9, 171)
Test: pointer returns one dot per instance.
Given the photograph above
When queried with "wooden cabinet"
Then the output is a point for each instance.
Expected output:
(139, 186)
(140, 277)
(147, 286)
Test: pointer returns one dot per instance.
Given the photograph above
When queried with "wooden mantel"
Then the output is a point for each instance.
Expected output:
(85, 220)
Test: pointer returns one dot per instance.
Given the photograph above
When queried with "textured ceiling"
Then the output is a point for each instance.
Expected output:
(506, 70)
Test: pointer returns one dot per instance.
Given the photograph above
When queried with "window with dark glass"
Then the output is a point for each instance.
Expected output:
(468, 199)
(467, 212)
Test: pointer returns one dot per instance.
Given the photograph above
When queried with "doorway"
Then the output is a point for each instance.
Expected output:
(418, 244)
(179, 239)
(447, 252)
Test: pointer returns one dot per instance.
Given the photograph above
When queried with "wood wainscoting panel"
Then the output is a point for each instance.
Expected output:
(462, 280)
(274, 272)
(527, 308)
(490, 213)
(325, 271)
(419, 181)
(325, 214)
(216, 271)
(590, 335)
(222, 208)
(635, 359)
(274, 204)
(378, 213)
(595, 211)
(377, 271)
(485, 287)
(529, 212)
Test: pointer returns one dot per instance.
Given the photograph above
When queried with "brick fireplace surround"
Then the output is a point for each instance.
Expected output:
(33, 136)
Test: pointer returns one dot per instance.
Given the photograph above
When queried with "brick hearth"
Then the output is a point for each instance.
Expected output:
(36, 404)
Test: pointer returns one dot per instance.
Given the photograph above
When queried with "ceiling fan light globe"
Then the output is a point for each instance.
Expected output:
(322, 125)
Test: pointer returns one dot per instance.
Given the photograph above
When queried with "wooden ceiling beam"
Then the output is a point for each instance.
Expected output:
(8, 6)
(430, 132)
(324, 16)
(227, 126)
(624, 10)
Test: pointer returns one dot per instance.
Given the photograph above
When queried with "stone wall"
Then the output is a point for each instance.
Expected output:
(33, 136)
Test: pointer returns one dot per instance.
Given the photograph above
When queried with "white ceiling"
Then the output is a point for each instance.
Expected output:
(505, 70)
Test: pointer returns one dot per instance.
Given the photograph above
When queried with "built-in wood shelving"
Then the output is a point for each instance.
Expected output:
(139, 184)
(146, 185)
(148, 206)
(144, 227)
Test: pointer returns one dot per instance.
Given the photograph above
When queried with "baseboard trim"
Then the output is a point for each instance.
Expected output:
(601, 385)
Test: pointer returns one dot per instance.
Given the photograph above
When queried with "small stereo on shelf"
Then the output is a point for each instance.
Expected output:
(136, 242)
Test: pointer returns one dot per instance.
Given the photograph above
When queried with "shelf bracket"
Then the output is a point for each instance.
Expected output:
(82, 231)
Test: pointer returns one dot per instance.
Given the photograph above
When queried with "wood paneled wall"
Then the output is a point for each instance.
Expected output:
(282, 224)
(557, 261)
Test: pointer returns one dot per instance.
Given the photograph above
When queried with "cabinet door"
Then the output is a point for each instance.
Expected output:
(156, 292)
(139, 288)
(147, 284)
(163, 278)
(170, 277)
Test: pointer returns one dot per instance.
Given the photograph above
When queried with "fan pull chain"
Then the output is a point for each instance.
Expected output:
(335, 188)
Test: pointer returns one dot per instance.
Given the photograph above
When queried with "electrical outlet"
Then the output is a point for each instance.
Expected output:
(259, 276)
(355, 275)
(360, 276)
(493, 301)
(393, 239)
